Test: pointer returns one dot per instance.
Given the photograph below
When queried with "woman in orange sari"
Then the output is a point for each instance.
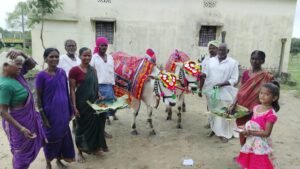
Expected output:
(251, 82)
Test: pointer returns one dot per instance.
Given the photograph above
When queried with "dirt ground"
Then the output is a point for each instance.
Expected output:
(170, 146)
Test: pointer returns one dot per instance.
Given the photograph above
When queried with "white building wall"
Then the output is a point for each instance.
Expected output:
(174, 24)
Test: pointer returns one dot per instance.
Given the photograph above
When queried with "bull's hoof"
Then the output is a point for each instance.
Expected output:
(134, 132)
(179, 126)
(169, 118)
(152, 133)
(183, 110)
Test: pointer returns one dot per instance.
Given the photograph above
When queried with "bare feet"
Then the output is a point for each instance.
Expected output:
(48, 166)
(224, 140)
(80, 158)
(107, 135)
(60, 165)
(207, 126)
(97, 153)
(115, 117)
(210, 134)
(105, 149)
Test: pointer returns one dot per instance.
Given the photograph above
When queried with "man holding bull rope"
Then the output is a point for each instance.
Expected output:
(221, 74)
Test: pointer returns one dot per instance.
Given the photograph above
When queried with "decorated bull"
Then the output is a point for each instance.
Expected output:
(143, 82)
(188, 73)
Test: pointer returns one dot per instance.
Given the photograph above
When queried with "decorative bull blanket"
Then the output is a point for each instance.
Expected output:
(175, 57)
(131, 72)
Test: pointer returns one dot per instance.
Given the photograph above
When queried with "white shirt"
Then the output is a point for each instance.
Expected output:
(204, 62)
(66, 63)
(105, 71)
(219, 72)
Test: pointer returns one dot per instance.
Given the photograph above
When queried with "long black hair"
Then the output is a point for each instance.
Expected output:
(48, 51)
(260, 54)
(274, 87)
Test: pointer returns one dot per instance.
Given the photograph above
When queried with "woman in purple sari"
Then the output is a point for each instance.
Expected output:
(55, 107)
(21, 122)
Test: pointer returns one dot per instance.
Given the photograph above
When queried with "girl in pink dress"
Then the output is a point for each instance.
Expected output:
(257, 151)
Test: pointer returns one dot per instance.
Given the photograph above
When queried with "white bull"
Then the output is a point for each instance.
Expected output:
(187, 74)
(153, 90)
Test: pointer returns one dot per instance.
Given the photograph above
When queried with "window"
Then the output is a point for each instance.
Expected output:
(209, 3)
(207, 33)
(105, 29)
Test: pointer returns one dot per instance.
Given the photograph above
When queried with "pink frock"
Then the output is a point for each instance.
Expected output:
(257, 151)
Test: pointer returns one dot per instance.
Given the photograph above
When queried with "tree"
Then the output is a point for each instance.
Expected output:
(18, 18)
(295, 46)
(38, 10)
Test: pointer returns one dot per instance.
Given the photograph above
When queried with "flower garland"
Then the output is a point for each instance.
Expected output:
(192, 68)
(169, 80)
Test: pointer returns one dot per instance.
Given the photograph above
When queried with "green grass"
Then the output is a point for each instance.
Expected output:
(294, 70)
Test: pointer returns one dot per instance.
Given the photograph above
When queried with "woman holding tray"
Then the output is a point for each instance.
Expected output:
(54, 104)
(251, 82)
(89, 134)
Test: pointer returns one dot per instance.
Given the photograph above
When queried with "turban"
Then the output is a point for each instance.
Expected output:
(214, 43)
(100, 41)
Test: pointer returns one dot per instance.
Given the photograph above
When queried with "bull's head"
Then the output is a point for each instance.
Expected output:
(165, 87)
(188, 74)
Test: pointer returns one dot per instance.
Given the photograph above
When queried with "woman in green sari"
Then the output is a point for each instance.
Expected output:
(89, 132)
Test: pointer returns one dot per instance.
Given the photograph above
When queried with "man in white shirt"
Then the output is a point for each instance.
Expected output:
(221, 72)
(71, 59)
(213, 47)
(104, 65)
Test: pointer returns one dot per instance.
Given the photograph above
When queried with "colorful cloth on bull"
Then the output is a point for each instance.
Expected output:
(175, 57)
(131, 74)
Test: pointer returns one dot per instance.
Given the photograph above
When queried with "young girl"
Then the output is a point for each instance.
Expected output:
(256, 152)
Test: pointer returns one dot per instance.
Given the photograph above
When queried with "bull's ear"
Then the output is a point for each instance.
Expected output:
(179, 64)
(152, 77)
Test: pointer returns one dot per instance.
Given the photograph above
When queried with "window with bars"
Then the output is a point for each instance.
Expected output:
(206, 34)
(105, 29)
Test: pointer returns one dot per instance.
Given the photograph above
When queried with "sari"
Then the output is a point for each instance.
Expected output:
(24, 150)
(248, 94)
(89, 133)
(58, 110)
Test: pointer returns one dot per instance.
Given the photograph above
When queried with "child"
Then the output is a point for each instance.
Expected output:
(256, 152)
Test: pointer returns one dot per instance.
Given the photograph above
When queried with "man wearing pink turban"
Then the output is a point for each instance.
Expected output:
(104, 65)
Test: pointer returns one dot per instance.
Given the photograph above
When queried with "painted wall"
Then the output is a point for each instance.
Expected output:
(174, 24)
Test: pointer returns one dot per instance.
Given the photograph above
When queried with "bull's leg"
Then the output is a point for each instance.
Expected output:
(180, 100)
(136, 107)
(169, 110)
(183, 104)
(149, 120)
(179, 118)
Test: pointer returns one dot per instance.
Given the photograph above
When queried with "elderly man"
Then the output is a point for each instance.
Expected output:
(221, 74)
(71, 59)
